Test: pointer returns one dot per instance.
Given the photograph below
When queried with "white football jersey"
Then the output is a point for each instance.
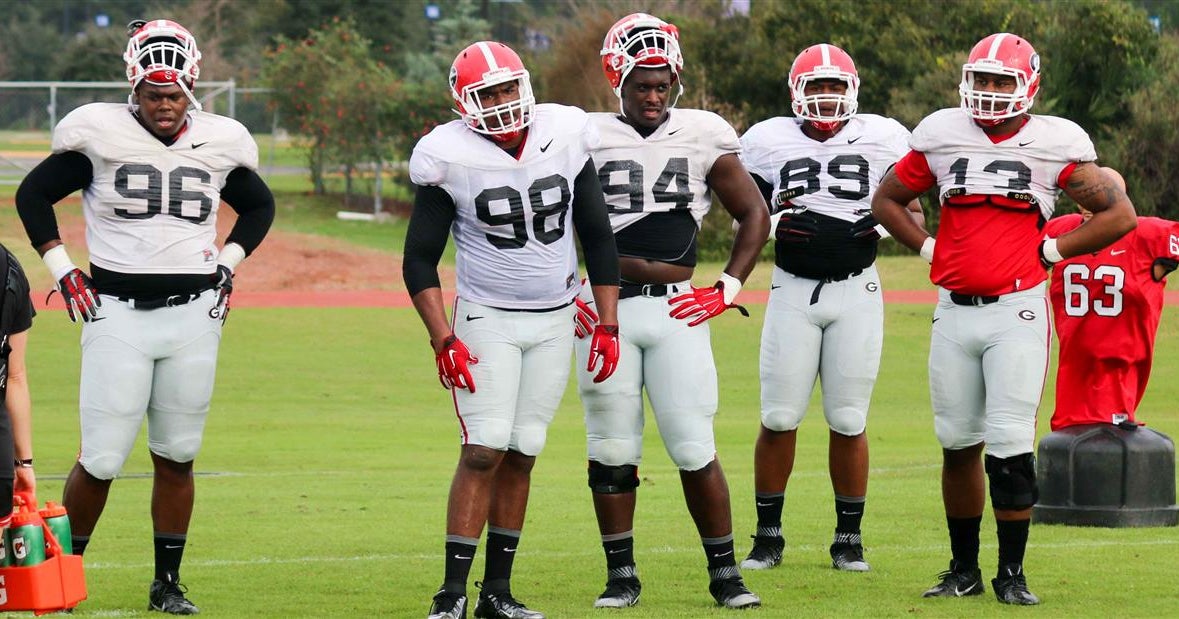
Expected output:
(836, 177)
(1024, 167)
(514, 246)
(666, 170)
(152, 208)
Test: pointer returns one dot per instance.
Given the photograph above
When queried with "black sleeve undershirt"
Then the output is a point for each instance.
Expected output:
(765, 188)
(591, 219)
(425, 240)
(59, 175)
(247, 194)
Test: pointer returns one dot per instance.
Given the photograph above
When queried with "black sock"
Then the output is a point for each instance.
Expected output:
(620, 553)
(501, 551)
(1013, 540)
(460, 554)
(79, 542)
(169, 552)
(849, 511)
(964, 540)
(719, 551)
(769, 513)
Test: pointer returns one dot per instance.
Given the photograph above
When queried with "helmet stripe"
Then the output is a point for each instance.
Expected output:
(994, 51)
(485, 49)
(825, 51)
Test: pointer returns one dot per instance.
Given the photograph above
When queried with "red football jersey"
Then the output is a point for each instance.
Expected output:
(1107, 307)
(993, 195)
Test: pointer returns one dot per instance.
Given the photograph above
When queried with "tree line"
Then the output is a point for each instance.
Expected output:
(362, 79)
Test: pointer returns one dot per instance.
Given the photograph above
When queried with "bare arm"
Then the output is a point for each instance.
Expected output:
(20, 410)
(742, 199)
(432, 310)
(896, 207)
(1113, 213)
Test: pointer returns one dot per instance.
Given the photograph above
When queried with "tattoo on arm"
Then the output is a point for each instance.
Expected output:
(1095, 192)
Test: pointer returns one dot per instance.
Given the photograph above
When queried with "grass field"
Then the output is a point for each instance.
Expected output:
(330, 448)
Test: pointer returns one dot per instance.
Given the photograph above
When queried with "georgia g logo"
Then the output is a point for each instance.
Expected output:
(1027, 315)
(871, 287)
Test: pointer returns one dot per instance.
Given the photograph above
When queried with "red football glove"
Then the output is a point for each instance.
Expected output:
(604, 347)
(453, 358)
(223, 284)
(584, 320)
(701, 304)
(80, 295)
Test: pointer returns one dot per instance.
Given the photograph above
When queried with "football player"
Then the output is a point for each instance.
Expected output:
(658, 167)
(1106, 307)
(153, 174)
(16, 424)
(508, 180)
(825, 316)
(998, 170)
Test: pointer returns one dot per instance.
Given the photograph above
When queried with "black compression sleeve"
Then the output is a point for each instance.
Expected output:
(247, 194)
(425, 240)
(59, 175)
(592, 221)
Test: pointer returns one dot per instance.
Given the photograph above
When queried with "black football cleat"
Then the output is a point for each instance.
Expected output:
(448, 605)
(956, 582)
(732, 593)
(167, 596)
(1011, 587)
(502, 605)
(619, 593)
(766, 553)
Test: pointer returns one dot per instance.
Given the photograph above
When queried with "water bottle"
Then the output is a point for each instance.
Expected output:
(59, 522)
(26, 539)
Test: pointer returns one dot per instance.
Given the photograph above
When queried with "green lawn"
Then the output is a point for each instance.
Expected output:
(330, 449)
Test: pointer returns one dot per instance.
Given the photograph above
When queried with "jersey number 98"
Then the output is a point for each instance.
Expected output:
(544, 207)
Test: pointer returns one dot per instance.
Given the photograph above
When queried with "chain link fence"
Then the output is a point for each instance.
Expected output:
(37, 106)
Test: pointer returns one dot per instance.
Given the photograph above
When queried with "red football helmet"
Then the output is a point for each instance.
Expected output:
(162, 52)
(1002, 54)
(484, 64)
(824, 62)
(641, 40)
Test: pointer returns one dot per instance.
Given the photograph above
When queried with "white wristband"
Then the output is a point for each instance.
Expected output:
(58, 262)
(927, 249)
(231, 255)
(1051, 252)
(731, 287)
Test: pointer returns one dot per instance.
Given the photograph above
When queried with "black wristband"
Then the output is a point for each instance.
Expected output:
(27, 463)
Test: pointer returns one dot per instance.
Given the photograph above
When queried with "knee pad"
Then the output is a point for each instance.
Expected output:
(180, 451)
(1013, 481)
(605, 479)
(692, 456)
(104, 467)
(782, 418)
(848, 421)
(530, 440)
(615, 451)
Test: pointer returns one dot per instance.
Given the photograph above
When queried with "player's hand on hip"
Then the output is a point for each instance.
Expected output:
(453, 357)
(795, 226)
(864, 228)
(223, 284)
(605, 348)
(80, 295)
(704, 303)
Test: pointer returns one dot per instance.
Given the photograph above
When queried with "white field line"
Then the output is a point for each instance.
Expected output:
(665, 550)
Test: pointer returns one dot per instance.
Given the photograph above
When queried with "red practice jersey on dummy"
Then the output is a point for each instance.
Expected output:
(994, 195)
(1107, 307)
